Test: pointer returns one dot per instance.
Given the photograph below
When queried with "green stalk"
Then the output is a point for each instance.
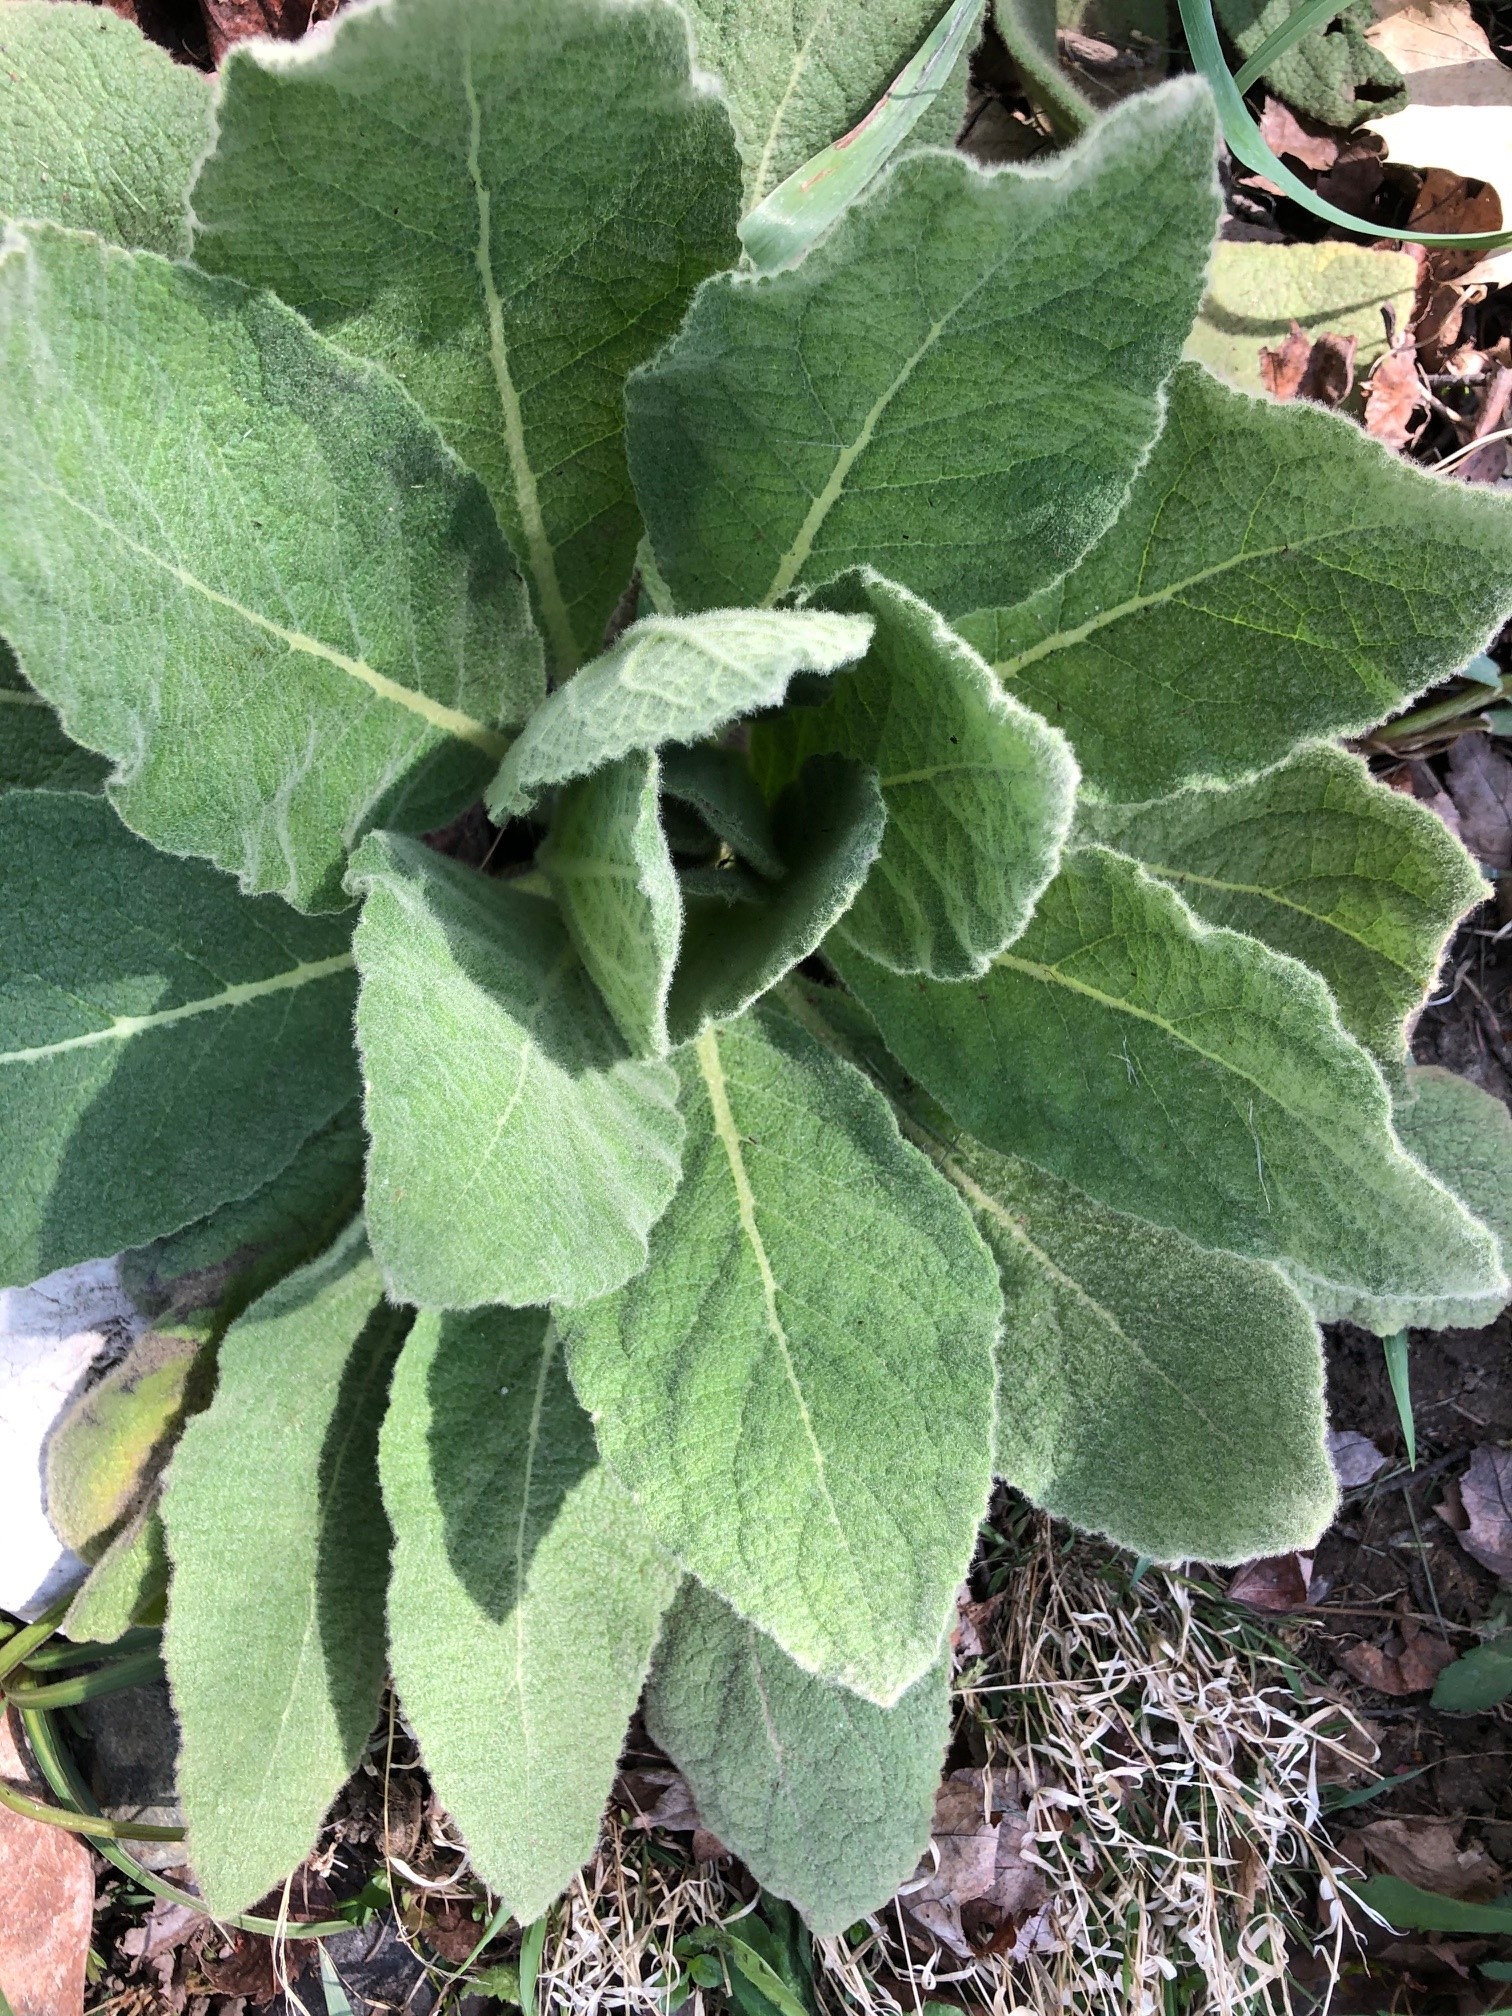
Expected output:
(138, 1669)
(1244, 139)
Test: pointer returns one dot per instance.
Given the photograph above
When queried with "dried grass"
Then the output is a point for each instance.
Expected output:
(1174, 1755)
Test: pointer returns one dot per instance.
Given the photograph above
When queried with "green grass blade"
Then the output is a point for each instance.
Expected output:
(1398, 1372)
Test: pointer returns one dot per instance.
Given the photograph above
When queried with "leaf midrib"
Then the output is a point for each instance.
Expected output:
(1282, 903)
(539, 550)
(122, 1028)
(434, 712)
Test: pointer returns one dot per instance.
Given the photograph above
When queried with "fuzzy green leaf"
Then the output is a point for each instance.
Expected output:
(718, 785)
(1332, 73)
(800, 73)
(243, 567)
(165, 1043)
(978, 790)
(825, 417)
(824, 1797)
(35, 754)
(274, 1644)
(1276, 576)
(611, 873)
(1315, 859)
(828, 825)
(1191, 1076)
(126, 1585)
(1464, 1137)
(670, 679)
(1153, 1390)
(519, 1155)
(99, 128)
(198, 1281)
(107, 1448)
(526, 1595)
(798, 1390)
(509, 204)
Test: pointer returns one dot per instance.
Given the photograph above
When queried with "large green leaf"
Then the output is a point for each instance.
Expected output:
(106, 1450)
(1464, 1136)
(824, 1797)
(126, 1585)
(1275, 576)
(828, 825)
(35, 754)
(1151, 1389)
(519, 1154)
(1315, 859)
(611, 872)
(799, 74)
(99, 128)
(798, 1390)
(827, 417)
(1191, 1076)
(978, 790)
(671, 679)
(275, 1524)
(165, 1042)
(526, 1595)
(243, 567)
(507, 202)
(198, 1281)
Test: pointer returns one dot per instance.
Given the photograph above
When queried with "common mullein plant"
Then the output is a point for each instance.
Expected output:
(929, 999)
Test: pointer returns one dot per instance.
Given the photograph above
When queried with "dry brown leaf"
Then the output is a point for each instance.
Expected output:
(1408, 1663)
(975, 1893)
(1277, 1582)
(1480, 783)
(1459, 98)
(1393, 394)
(1287, 132)
(1322, 370)
(1427, 1853)
(1355, 1458)
(1486, 1494)
(659, 1798)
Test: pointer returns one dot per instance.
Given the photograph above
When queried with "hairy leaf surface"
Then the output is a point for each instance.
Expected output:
(519, 1155)
(1194, 1077)
(126, 1585)
(800, 73)
(978, 790)
(1275, 576)
(526, 1595)
(507, 203)
(798, 1390)
(99, 128)
(671, 679)
(244, 568)
(165, 1042)
(718, 785)
(898, 399)
(828, 824)
(1314, 858)
(1464, 1136)
(35, 754)
(274, 1645)
(825, 1797)
(611, 873)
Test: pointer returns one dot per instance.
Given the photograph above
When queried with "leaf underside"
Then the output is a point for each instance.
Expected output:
(825, 1797)
(1464, 1137)
(518, 1689)
(798, 1390)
